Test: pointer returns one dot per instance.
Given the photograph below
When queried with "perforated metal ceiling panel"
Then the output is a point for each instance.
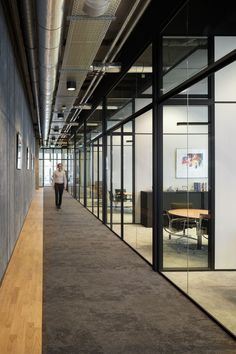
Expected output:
(85, 36)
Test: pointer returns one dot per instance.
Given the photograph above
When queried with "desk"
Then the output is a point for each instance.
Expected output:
(196, 214)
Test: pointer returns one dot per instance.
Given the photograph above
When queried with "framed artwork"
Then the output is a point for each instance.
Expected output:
(32, 161)
(191, 163)
(27, 158)
(18, 151)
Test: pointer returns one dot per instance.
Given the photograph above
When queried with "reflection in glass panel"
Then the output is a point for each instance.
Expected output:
(100, 182)
(133, 92)
(89, 175)
(81, 171)
(94, 124)
(128, 178)
(69, 170)
(185, 183)
(108, 171)
(116, 183)
(182, 58)
(96, 178)
(139, 233)
(77, 177)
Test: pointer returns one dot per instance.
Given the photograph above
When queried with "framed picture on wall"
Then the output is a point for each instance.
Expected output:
(32, 161)
(18, 151)
(27, 158)
(191, 163)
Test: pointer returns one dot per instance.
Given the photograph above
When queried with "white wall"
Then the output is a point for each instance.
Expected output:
(225, 178)
(225, 163)
(176, 137)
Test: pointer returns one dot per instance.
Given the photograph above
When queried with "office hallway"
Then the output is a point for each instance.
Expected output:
(100, 297)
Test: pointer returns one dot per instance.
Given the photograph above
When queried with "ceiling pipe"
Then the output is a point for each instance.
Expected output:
(95, 8)
(50, 19)
(27, 14)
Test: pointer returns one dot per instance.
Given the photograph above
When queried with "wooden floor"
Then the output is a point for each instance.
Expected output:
(21, 290)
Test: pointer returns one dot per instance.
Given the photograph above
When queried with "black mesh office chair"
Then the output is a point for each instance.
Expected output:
(119, 196)
(176, 225)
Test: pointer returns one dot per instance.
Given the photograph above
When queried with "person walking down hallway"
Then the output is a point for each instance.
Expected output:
(59, 183)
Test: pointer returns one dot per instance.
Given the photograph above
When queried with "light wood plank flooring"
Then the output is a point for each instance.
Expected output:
(21, 289)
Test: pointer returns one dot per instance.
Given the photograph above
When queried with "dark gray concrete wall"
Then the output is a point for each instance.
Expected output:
(16, 186)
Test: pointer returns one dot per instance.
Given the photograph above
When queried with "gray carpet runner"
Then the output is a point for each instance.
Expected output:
(101, 297)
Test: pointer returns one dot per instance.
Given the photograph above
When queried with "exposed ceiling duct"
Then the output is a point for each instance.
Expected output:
(50, 20)
(27, 13)
(95, 8)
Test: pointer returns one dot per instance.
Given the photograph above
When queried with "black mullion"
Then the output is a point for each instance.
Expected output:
(79, 174)
(211, 160)
(111, 180)
(85, 166)
(67, 163)
(98, 178)
(133, 172)
(122, 182)
(43, 167)
(157, 242)
(104, 164)
(92, 192)
(74, 168)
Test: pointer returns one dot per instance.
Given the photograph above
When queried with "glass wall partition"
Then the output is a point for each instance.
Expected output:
(100, 180)
(96, 177)
(77, 171)
(70, 170)
(80, 165)
(133, 92)
(185, 184)
(89, 175)
(116, 192)
(109, 181)
(198, 173)
(128, 149)
(138, 177)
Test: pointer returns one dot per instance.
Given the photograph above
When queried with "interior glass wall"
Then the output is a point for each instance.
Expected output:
(96, 177)
(116, 192)
(89, 175)
(70, 170)
(138, 229)
(133, 92)
(100, 180)
(198, 135)
(185, 184)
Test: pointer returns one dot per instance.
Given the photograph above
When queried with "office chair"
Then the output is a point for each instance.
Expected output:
(119, 196)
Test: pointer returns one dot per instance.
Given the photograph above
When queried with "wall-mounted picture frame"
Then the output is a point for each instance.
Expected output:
(191, 163)
(32, 161)
(18, 151)
(27, 158)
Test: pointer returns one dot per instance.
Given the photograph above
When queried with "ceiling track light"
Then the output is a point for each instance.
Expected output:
(71, 85)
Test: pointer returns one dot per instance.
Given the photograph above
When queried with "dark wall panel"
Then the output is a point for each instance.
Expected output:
(16, 186)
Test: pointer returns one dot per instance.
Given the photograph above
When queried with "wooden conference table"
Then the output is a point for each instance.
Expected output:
(197, 215)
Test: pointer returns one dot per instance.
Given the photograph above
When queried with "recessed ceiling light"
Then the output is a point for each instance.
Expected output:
(71, 85)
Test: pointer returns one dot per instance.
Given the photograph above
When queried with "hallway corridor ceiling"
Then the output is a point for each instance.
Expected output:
(70, 41)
